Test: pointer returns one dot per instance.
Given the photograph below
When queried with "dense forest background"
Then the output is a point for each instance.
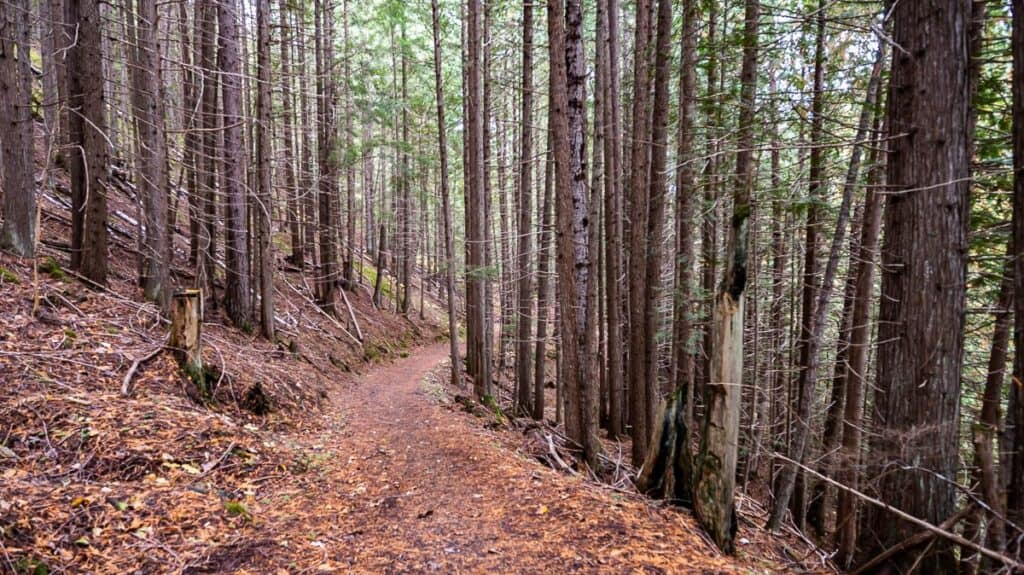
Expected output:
(766, 247)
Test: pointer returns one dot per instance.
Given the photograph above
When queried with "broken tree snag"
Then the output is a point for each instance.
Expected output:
(667, 472)
(186, 324)
(716, 466)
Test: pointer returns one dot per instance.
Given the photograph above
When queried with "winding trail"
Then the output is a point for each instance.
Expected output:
(403, 485)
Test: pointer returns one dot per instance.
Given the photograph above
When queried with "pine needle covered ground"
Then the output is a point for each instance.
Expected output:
(312, 454)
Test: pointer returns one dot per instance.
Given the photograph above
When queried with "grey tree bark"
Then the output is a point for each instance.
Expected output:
(18, 234)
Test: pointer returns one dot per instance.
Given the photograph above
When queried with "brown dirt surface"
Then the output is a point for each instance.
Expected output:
(406, 485)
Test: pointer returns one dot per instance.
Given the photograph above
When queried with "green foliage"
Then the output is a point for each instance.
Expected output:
(374, 351)
(204, 379)
(30, 566)
(483, 272)
(8, 277)
(491, 403)
(238, 509)
(310, 462)
(51, 267)
(70, 338)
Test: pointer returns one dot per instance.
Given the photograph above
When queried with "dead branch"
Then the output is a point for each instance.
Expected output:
(912, 541)
(334, 321)
(126, 383)
(352, 316)
(557, 458)
(939, 531)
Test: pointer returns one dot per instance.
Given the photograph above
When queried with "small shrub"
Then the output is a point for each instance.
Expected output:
(51, 267)
(8, 277)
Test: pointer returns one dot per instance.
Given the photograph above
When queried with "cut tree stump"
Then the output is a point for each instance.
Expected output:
(186, 327)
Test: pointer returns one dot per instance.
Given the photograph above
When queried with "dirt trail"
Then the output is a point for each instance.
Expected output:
(404, 485)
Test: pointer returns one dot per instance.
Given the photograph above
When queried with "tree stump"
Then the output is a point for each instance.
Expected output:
(186, 331)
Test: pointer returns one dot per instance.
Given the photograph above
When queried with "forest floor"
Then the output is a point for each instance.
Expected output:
(336, 448)
(415, 487)
(366, 463)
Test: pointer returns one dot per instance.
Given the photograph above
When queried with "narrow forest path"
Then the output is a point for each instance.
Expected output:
(399, 484)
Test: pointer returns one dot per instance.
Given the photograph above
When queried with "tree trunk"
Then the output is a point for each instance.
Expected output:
(816, 322)
(308, 195)
(236, 281)
(668, 469)
(921, 318)
(292, 192)
(1015, 494)
(857, 358)
(153, 181)
(715, 476)
(709, 224)
(607, 69)
(206, 17)
(657, 188)
(476, 291)
(327, 157)
(19, 206)
(263, 158)
(406, 202)
(524, 306)
(804, 386)
(90, 160)
(822, 499)
(449, 242)
(348, 266)
(639, 340)
(586, 384)
(544, 275)
(985, 429)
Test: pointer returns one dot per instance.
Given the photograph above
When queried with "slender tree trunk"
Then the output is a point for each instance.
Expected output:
(639, 340)
(327, 157)
(816, 322)
(544, 275)
(657, 188)
(822, 499)
(348, 266)
(90, 155)
(19, 206)
(236, 282)
(190, 55)
(449, 242)
(558, 123)
(264, 179)
(407, 235)
(857, 357)
(307, 191)
(715, 476)
(612, 217)
(292, 192)
(668, 468)
(477, 337)
(153, 181)
(804, 386)
(985, 429)
(984, 473)
(524, 306)
(206, 15)
(586, 384)
(709, 225)
(921, 318)
(61, 37)
(1015, 494)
